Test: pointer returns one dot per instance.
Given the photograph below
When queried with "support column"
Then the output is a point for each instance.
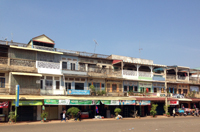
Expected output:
(86, 67)
(122, 66)
(188, 74)
(39, 110)
(151, 68)
(165, 73)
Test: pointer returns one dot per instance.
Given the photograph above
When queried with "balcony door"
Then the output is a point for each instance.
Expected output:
(114, 87)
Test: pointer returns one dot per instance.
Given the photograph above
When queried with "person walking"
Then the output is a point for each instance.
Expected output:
(174, 112)
(63, 116)
(79, 115)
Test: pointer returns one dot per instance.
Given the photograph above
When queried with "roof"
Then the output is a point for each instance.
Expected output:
(41, 36)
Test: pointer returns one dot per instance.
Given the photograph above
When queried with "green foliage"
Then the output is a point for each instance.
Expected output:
(117, 111)
(168, 114)
(103, 92)
(164, 107)
(12, 116)
(73, 111)
(192, 94)
(153, 111)
(130, 93)
(92, 88)
(44, 115)
(99, 92)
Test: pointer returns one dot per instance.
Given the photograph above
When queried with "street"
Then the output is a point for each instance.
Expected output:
(181, 124)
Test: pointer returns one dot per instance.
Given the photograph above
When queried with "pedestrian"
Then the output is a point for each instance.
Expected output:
(174, 112)
(79, 115)
(63, 116)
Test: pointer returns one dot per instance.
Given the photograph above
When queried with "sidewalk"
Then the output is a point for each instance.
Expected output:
(84, 120)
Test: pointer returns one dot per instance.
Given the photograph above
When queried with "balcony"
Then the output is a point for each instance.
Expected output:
(182, 78)
(4, 60)
(25, 91)
(43, 48)
(48, 67)
(52, 92)
(97, 72)
(145, 75)
(4, 91)
(130, 74)
(171, 78)
(22, 62)
(115, 92)
(79, 70)
(193, 80)
(158, 77)
(114, 73)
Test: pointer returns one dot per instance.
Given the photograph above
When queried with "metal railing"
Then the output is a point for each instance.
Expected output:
(4, 90)
(96, 71)
(193, 79)
(79, 68)
(129, 73)
(22, 62)
(144, 74)
(25, 91)
(49, 65)
(114, 90)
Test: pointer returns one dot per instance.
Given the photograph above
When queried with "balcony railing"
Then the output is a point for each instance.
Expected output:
(171, 77)
(4, 90)
(25, 91)
(182, 78)
(144, 74)
(51, 92)
(3, 60)
(79, 68)
(43, 48)
(114, 90)
(22, 62)
(129, 73)
(48, 65)
(193, 79)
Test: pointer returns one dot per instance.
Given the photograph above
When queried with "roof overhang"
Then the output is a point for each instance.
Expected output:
(26, 74)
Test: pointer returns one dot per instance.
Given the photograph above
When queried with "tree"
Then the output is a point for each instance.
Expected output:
(117, 111)
(153, 111)
(73, 111)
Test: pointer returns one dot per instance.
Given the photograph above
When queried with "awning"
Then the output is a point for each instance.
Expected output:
(32, 97)
(156, 99)
(184, 99)
(26, 74)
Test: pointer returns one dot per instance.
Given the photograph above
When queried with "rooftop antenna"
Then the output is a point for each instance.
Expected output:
(140, 51)
(11, 37)
(95, 45)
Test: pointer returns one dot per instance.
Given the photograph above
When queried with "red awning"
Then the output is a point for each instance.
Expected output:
(156, 99)
(4, 104)
(116, 61)
(195, 100)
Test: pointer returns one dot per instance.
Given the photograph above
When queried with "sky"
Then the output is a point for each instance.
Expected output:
(168, 31)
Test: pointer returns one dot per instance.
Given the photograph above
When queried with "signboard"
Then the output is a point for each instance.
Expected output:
(78, 92)
(173, 102)
(81, 102)
(51, 102)
(4, 104)
(143, 102)
(23, 103)
(145, 84)
(127, 102)
(178, 96)
(162, 95)
(17, 96)
(118, 102)
(194, 88)
(64, 102)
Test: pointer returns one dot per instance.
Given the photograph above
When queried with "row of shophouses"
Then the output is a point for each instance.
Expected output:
(58, 79)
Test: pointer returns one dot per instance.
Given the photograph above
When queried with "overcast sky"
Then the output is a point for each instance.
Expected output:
(168, 31)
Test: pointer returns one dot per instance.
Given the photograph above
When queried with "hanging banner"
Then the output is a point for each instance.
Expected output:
(81, 102)
(51, 102)
(127, 102)
(4, 104)
(143, 102)
(25, 103)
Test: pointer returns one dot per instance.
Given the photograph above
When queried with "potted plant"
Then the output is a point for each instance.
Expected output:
(73, 111)
(165, 109)
(117, 111)
(103, 92)
(44, 116)
(153, 111)
(168, 114)
(12, 117)
(92, 89)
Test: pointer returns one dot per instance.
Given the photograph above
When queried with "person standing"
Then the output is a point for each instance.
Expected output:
(79, 115)
(63, 117)
(174, 112)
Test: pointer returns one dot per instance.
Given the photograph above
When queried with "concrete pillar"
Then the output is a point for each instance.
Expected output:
(188, 79)
(165, 73)
(122, 66)
(39, 111)
(59, 110)
(138, 66)
(86, 67)
(166, 97)
(198, 76)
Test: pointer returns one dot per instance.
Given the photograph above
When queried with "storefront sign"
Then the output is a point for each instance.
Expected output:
(81, 102)
(4, 104)
(178, 96)
(145, 84)
(23, 103)
(162, 95)
(78, 92)
(64, 102)
(51, 102)
(194, 88)
(143, 102)
(127, 102)
(110, 102)
(173, 102)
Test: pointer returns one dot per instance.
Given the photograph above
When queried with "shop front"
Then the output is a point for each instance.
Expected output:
(145, 87)
(4, 105)
(143, 107)
(28, 110)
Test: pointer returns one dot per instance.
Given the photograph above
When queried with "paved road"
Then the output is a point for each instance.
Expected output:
(189, 124)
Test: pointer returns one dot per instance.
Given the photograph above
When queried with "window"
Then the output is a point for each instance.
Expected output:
(175, 90)
(64, 65)
(2, 74)
(96, 85)
(171, 90)
(72, 66)
(130, 88)
(114, 87)
(57, 84)
(2, 82)
(185, 91)
(102, 85)
(179, 91)
(56, 78)
(48, 84)
(136, 88)
(79, 86)
(67, 86)
(41, 84)
(89, 84)
(155, 90)
(149, 90)
(125, 88)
